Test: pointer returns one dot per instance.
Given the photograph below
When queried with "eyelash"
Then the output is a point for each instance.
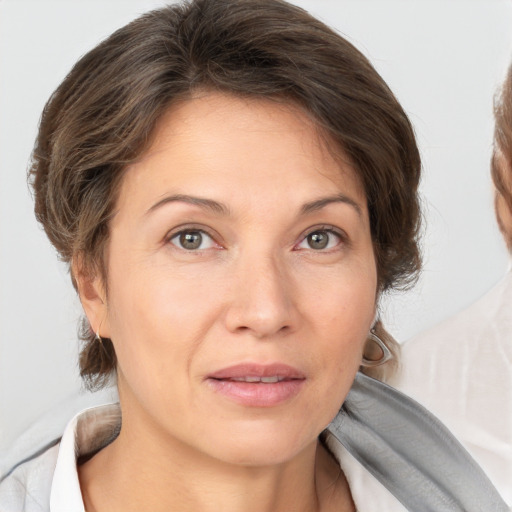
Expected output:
(330, 230)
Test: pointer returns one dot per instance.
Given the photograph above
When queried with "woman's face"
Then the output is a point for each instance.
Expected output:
(241, 282)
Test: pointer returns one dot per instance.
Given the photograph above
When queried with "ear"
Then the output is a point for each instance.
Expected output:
(92, 294)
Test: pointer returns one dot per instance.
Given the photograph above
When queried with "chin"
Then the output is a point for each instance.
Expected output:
(260, 456)
(262, 445)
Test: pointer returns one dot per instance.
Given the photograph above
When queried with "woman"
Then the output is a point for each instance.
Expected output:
(233, 187)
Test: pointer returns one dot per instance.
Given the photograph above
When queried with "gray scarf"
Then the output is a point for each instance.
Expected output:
(411, 452)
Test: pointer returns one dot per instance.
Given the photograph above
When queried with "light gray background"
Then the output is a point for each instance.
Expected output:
(442, 58)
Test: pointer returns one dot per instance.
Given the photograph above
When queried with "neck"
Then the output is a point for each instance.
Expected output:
(150, 472)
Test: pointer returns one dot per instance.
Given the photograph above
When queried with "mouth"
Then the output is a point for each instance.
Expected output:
(255, 385)
(255, 379)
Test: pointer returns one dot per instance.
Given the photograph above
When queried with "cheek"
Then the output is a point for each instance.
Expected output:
(157, 317)
(340, 331)
(345, 304)
(341, 315)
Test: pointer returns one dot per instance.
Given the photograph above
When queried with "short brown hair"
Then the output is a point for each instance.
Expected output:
(501, 161)
(101, 119)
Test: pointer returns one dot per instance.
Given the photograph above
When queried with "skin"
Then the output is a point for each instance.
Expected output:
(503, 213)
(504, 217)
(255, 292)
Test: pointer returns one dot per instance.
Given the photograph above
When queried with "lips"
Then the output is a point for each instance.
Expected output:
(258, 371)
(255, 385)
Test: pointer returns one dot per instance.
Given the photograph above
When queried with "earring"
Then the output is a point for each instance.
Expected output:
(97, 337)
(379, 349)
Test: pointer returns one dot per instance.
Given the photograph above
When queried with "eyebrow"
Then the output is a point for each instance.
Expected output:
(314, 206)
(222, 209)
(205, 204)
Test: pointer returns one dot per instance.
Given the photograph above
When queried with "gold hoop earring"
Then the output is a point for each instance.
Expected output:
(385, 355)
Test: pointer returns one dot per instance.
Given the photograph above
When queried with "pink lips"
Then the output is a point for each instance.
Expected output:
(257, 385)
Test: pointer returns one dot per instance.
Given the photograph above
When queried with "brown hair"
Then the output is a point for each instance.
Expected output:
(501, 162)
(101, 119)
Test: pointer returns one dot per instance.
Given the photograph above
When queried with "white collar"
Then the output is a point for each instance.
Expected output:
(87, 432)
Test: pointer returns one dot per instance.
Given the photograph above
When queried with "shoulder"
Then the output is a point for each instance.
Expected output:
(461, 370)
(485, 322)
(27, 486)
(465, 361)
(408, 451)
(47, 479)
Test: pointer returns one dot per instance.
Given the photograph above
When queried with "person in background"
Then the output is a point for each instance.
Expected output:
(466, 361)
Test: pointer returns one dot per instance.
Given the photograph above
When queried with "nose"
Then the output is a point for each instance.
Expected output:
(261, 301)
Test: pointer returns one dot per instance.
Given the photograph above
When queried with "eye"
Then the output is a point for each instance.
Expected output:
(320, 239)
(192, 240)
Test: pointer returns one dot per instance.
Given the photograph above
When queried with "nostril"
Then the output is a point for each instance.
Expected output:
(261, 311)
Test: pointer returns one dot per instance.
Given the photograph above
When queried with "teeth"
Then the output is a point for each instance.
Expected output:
(268, 380)
(275, 378)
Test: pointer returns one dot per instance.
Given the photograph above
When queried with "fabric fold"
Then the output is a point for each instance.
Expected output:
(411, 452)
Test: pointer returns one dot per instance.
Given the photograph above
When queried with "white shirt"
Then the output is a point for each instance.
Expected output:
(461, 370)
(49, 482)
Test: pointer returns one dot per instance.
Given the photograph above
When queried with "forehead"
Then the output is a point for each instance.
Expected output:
(257, 145)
